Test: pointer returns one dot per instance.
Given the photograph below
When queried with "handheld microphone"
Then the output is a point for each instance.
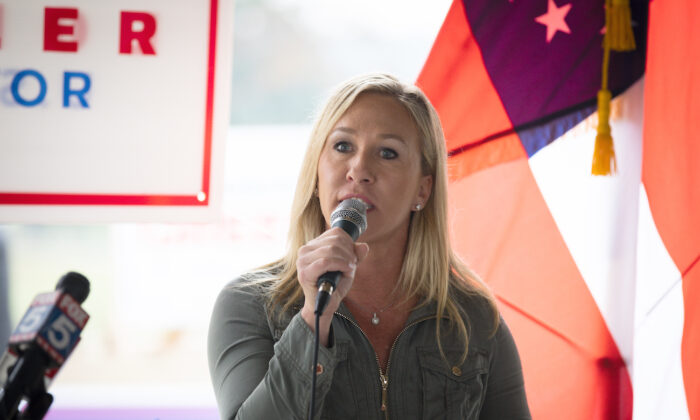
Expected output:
(41, 343)
(351, 216)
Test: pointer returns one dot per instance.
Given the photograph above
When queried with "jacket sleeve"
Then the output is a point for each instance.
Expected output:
(254, 377)
(505, 392)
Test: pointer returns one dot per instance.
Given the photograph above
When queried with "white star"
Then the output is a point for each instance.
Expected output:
(554, 19)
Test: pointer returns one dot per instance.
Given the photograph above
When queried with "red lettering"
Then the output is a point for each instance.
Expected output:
(143, 36)
(53, 29)
(74, 311)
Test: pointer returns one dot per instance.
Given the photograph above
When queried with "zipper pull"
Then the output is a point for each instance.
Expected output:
(385, 385)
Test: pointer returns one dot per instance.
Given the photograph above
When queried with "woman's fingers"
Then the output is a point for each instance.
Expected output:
(332, 251)
(324, 265)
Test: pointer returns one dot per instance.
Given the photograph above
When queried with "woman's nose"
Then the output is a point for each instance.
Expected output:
(360, 169)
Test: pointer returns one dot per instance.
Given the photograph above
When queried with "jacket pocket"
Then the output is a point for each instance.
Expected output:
(452, 391)
(340, 401)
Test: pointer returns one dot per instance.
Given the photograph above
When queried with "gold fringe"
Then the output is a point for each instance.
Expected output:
(604, 161)
(619, 26)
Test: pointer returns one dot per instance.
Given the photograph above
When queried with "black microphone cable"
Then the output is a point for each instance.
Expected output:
(317, 340)
(351, 216)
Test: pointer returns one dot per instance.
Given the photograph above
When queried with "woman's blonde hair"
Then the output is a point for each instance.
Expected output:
(430, 269)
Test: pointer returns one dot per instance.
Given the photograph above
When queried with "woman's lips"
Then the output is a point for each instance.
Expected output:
(365, 200)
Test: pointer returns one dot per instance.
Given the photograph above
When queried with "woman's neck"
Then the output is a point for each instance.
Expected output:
(377, 275)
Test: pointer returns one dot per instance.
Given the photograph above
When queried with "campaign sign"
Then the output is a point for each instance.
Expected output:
(113, 109)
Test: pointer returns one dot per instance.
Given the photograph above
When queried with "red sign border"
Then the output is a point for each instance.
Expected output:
(200, 199)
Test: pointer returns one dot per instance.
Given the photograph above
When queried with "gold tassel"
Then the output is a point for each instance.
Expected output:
(619, 26)
(604, 162)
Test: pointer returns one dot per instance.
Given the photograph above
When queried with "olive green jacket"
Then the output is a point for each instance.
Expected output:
(261, 366)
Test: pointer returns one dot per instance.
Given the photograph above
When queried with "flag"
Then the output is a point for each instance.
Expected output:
(670, 332)
(569, 256)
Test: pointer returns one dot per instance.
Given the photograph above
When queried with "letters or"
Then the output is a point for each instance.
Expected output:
(78, 89)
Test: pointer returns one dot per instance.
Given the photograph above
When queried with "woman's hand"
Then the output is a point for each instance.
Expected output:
(333, 250)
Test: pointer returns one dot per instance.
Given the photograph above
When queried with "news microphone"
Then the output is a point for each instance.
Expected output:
(44, 338)
(351, 216)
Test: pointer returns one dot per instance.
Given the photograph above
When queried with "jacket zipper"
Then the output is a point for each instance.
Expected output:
(385, 385)
(384, 378)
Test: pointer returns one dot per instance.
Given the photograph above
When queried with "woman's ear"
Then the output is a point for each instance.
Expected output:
(425, 188)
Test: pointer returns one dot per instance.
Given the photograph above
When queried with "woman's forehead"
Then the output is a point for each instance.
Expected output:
(378, 111)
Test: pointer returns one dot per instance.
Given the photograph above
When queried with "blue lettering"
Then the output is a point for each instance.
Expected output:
(79, 93)
(14, 88)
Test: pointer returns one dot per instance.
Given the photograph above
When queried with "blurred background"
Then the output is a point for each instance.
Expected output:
(153, 285)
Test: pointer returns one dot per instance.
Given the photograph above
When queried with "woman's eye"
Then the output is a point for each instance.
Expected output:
(388, 154)
(342, 146)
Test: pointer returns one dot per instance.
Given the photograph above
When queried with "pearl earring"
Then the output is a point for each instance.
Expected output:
(418, 207)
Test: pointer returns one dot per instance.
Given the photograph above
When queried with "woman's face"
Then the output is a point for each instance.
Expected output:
(373, 153)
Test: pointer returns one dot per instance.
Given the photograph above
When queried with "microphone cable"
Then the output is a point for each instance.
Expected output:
(317, 340)
(351, 216)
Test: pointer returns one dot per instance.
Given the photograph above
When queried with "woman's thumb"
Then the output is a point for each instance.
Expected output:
(361, 250)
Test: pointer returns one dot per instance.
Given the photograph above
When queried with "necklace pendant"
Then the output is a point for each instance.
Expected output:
(375, 319)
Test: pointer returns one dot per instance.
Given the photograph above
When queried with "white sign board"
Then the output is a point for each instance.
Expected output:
(113, 110)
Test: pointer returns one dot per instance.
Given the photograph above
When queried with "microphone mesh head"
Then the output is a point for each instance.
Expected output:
(354, 211)
(75, 284)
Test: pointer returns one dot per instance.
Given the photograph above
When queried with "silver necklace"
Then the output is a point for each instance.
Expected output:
(375, 317)
(375, 314)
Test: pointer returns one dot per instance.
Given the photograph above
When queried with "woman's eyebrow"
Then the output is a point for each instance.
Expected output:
(392, 136)
(344, 130)
(348, 130)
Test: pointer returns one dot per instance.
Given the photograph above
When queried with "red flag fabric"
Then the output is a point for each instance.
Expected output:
(670, 171)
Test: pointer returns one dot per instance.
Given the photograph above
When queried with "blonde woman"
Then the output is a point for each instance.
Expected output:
(410, 332)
